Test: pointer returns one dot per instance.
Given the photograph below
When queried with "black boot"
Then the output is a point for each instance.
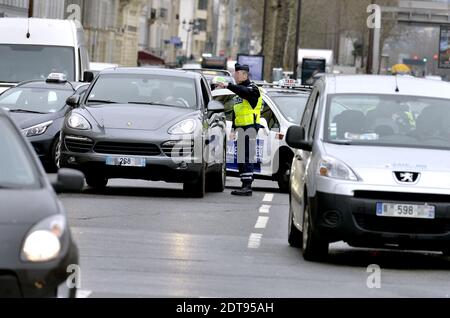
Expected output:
(245, 191)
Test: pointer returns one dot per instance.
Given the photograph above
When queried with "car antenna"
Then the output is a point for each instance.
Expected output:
(28, 32)
(397, 90)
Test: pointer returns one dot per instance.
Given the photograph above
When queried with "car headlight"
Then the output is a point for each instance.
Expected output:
(76, 121)
(185, 127)
(336, 169)
(36, 130)
(43, 241)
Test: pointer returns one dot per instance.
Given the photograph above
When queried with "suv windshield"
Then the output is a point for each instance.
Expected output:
(387, 120)
(30, 62)
(16, 168)
(292, 107)
(35, 99)
(144, 89)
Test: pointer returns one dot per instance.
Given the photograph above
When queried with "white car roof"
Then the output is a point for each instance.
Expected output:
(386, 85)
(98, 66)
(43, 31)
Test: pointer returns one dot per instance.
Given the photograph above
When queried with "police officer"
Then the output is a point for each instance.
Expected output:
(246, 121)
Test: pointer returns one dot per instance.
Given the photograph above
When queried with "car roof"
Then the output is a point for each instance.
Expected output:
(286, 91)
(44, 84)
(386, 85)
(152, 71)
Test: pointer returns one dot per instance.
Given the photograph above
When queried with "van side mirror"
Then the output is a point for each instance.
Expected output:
(88, 77)
(73, 101)
(296, 138)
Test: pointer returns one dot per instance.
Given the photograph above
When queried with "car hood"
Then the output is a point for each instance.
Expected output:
(27, 120)
(376, 164)
(137, 117)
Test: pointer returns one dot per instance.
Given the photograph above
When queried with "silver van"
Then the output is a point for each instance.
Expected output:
(31, 49)
(372, 165)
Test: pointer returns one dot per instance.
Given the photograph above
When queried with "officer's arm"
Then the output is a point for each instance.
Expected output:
(250, 93)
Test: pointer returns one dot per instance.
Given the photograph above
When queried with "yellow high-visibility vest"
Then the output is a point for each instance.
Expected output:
(245, 115)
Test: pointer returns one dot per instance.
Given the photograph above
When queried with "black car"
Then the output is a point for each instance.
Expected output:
(39, 108)
(36, 246)
(151, 124)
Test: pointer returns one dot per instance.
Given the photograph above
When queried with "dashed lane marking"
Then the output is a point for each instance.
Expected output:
(254, 241)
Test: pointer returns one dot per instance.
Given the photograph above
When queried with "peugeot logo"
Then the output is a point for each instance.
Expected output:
(407, 177)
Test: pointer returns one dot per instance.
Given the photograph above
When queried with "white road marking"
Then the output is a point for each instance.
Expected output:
(83, 293)
(268, 197)
(264, 209)
(254, 241)
(261, 222)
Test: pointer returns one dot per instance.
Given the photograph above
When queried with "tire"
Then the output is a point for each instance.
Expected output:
(313, 248)
(54, 156)
(73, 293)
(197, 188)
(96, 182)
(284, 176)
(295, 236)
(216, 180)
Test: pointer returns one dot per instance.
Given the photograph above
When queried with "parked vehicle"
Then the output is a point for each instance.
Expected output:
(151, 124)
(38, 251)
(31, 49)
(371, 167)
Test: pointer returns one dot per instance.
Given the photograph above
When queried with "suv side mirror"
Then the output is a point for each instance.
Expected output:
(73, 101)
(215, 107)
(69, 180)
(295, 138)
(88, 77)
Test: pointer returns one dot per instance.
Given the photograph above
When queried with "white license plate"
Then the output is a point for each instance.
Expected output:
(125, 161)
(406, 210)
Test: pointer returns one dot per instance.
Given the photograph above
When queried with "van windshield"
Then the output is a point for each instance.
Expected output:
(20, 63)
(388, 120)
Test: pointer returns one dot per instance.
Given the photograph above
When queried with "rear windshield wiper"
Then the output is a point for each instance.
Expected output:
(101, 101)
(25, 111)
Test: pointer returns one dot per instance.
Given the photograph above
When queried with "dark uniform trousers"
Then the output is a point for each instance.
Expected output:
(246, 152)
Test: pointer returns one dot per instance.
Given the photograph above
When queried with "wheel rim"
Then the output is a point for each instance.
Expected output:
(305, 228)
(58, 154)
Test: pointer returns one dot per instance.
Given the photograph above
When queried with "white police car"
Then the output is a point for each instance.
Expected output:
(284, 103)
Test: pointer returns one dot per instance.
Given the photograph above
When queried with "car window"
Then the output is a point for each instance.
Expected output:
(312, 126)
(388, 120)
(17, 169)
(144, 89)
(268, 114)
(292, 107)
(306, 118)
(205, 93)
(35, 99)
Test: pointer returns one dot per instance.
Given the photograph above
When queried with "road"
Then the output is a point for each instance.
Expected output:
(142, 239)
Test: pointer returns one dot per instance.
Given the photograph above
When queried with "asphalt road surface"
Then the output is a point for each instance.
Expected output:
(144, 239)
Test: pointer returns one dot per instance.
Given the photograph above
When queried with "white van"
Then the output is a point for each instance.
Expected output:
(31, 49)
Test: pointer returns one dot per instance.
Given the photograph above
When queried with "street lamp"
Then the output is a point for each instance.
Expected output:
(189, 26)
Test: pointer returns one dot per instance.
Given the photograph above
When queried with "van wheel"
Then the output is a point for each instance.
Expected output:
(96, 182)
(216, 180)
(197, 188)
(294, 235)
(313, 248)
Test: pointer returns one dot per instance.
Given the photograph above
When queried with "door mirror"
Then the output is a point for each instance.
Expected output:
(215, 107)
(69, 180)
(73, 101)
(88, 77)
(296, 138)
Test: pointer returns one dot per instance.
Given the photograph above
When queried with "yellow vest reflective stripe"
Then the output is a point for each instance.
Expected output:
(245, 115)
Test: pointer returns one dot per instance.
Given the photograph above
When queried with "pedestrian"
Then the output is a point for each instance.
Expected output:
(246, 122)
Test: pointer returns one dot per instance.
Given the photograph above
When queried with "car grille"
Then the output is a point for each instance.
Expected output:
(78, 144)
(402, 196)
(125, 148)
(178, 148)
(400, 225)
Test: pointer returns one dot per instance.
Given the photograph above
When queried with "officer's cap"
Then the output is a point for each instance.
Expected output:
(243, 67)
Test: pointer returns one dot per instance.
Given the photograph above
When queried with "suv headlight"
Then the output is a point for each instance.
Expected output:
(43, 241)
(37, 129)
(184, 127)
(336, 169)
(76, 121)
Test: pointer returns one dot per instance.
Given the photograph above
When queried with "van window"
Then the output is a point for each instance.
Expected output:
(20, 63)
